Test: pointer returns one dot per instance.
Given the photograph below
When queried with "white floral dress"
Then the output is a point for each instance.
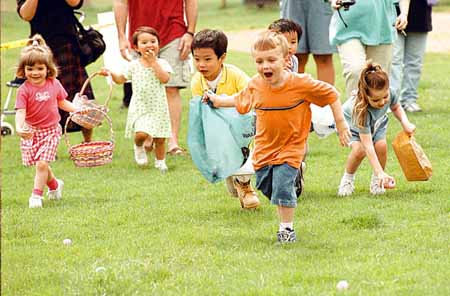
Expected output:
(148, 111)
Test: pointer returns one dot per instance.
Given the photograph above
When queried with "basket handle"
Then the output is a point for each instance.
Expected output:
(66, 137)
(83, 88)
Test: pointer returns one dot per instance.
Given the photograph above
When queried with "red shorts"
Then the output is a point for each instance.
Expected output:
(42, 146)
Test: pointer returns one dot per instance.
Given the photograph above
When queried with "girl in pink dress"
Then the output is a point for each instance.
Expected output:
(37, 116)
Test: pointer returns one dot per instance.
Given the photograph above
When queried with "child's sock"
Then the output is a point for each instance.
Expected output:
(349, 176)
(38, 192)
(52, 184)
(284, 225)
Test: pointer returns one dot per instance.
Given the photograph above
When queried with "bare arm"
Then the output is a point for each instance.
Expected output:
(400, 114)
(191, 12)
(66, 106)
(162, 75)
(28, 10)
(402, 19)
(116, 77)
(219, 101)
(341, 124)
(21, 129)
(121, 15)
(366, 141)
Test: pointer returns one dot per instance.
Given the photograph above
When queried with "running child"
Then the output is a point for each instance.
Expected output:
(281, 100)
(293, 32)
(148, 112)
(37, 117)
(209, 49)
(365, 112)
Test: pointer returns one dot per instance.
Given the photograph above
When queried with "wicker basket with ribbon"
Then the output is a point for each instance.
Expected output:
(91, 154)
(95, 113)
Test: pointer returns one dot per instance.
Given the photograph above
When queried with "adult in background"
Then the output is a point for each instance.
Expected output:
(314, 18)
(54, 21)
(365, 31)
(176, 35)
(408, 55)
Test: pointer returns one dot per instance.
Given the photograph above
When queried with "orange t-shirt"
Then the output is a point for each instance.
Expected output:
(281, 134)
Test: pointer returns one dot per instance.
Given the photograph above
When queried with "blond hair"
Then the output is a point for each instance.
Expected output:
(36, 52)
(372, 77)
(269, 40)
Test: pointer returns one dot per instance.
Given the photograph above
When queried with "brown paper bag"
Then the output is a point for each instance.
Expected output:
(414, 162)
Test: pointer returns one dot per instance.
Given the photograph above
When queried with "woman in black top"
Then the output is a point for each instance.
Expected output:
(54, 20)
(409, 50)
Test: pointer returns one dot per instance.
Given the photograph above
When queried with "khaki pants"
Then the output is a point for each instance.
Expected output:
(354, 55)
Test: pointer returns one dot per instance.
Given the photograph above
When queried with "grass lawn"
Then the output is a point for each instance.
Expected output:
(137, 232)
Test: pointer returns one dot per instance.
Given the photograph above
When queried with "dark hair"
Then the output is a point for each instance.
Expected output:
(286, 26)
(214, 39)
(144, 29)
(36, 51)
(372, 77)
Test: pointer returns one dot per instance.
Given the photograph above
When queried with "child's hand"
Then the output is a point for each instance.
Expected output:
(386, 180)
(149, 56)
(24, 132)
(209, 96)
(409, 128)
(288, 65)
(104, 72)
(343, 132)
(401, 22)
(336, 4)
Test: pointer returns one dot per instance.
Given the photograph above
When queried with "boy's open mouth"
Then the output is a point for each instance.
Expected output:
(268, 74)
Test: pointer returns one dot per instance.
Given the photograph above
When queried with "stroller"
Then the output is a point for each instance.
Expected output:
(7, 128)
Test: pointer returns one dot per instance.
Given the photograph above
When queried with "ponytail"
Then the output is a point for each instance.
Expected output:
(372, 77)
(36, 51)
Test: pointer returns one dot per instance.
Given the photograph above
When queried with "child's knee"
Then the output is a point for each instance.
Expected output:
(358, 151)
(140, 136)
(159, 141)
(42, 166)
(381, 146)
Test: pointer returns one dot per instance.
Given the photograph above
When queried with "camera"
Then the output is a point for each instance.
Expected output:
(346, 3)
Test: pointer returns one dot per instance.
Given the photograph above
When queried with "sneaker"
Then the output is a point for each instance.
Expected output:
(140, 156)
(286, 235)
(247, 196)
(57, 193)
(35, 201)
(299, 181)
(229, 182)
(375, 187)
(161, 166)
(412, 107)
(346, 187)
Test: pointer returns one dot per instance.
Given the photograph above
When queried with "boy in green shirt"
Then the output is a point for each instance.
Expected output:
(209, 50)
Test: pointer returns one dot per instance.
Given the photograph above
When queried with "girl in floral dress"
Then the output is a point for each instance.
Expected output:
(148, 113)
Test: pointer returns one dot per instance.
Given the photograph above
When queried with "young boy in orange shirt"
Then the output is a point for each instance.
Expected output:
(281, 100)
(209, 49)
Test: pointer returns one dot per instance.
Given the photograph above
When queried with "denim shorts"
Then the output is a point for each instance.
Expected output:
(378, 133)
(277, 183)
(181, 76)
(314, 17)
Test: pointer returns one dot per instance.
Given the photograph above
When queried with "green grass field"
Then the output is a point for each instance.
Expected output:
(137, 232)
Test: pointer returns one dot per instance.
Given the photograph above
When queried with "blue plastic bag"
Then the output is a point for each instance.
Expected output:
(216, 137)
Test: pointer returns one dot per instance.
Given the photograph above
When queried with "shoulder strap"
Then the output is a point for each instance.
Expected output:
(76, 21)
(280, 108)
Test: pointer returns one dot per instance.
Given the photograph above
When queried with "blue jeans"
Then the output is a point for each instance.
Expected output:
(277, 183)
(407, 64)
